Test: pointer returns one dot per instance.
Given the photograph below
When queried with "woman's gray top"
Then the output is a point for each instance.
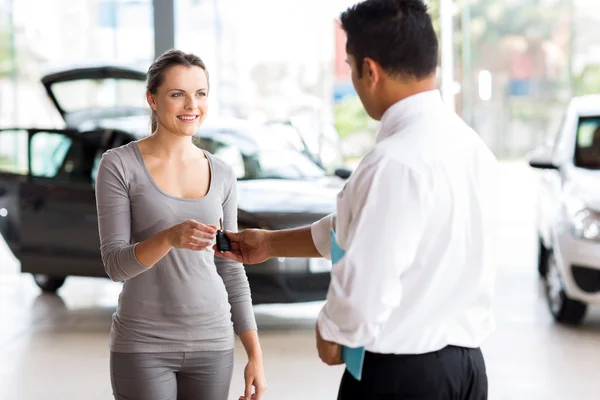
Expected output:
(185, 302)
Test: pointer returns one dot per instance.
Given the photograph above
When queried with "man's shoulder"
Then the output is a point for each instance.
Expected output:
(386, 158)
(398, 151)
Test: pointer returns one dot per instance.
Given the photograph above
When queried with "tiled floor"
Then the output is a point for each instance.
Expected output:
(55, 348)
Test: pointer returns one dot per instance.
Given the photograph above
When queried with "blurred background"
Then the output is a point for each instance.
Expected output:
(284, 113)
(515, 64)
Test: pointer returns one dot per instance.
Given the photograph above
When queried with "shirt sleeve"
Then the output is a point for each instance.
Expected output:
(320, 232)
(114, 220)
(232, 272)
(388, 220)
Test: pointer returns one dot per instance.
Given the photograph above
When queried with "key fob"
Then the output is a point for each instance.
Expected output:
(223, 242)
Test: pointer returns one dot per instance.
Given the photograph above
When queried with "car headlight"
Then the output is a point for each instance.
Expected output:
(586, 225)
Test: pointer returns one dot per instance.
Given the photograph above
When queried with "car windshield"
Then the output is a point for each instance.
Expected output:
(277, 159)
(86, 94)
(587, 150)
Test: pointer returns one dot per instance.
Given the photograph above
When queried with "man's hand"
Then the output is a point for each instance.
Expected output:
(330, 353)
(249, 246)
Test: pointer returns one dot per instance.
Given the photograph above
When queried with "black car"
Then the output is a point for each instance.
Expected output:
(47, 178)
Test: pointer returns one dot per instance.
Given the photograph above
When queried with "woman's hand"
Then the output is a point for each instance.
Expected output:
(254, 375)
(192, 235)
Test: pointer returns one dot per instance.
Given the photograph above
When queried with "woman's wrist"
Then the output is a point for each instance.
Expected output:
(166, 239)
(251, 345)
(255, 355)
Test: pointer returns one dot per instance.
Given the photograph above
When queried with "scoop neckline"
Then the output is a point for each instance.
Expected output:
(140, 158)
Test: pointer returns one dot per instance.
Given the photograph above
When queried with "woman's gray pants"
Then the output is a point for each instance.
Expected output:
(202, 375)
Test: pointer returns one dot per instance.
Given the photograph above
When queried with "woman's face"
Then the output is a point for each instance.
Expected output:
(180, 102)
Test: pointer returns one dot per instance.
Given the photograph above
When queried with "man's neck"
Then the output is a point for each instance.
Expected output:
(396, 91)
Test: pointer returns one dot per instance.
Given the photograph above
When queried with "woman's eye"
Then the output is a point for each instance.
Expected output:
(176, 95)
(201, 94)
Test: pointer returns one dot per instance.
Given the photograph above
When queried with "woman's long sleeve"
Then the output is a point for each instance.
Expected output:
(114, 220)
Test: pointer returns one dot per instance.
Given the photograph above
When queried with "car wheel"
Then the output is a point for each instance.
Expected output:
(49, 284)
(563, 309)
(542, 258)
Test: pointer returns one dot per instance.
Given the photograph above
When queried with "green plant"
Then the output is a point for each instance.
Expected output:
(350, 116)
(588, 81)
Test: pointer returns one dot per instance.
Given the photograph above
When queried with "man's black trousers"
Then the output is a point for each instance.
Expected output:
(452, 373)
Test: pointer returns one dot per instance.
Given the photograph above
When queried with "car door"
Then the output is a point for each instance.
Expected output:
(59, 229)
(13, 173)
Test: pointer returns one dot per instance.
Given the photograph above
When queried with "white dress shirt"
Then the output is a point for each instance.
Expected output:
(416, 219)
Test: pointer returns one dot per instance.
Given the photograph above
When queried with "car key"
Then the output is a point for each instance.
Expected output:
(223, 242)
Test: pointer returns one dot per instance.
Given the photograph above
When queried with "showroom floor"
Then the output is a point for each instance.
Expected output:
(55, 347)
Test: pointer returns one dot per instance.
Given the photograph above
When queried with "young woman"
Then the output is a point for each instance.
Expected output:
(159, 200)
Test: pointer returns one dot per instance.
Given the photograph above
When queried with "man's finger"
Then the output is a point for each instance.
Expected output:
(233, 236)
(229, 255)
(233, 256)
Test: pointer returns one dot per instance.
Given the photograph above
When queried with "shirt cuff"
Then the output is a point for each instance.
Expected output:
(327, 329)
(131, 263)
(320, 232)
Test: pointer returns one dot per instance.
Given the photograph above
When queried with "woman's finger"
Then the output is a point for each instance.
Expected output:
(203, 234)
(198, 243)
(249, 382)
(205, 228)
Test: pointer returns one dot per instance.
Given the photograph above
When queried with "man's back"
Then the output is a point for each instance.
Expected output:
(443, 262)
(447, 291)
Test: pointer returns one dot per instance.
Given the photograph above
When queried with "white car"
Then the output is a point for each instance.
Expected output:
(569, 211)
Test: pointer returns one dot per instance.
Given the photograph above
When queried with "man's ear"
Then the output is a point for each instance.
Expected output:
(150, 100)
(371, 70)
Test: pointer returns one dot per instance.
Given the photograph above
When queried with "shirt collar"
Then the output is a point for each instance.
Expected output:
(398, 113)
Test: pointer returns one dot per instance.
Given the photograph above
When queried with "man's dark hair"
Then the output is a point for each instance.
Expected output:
(397, 34)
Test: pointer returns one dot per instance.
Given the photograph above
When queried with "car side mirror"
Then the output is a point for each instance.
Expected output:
(541, 158)
(343, 173)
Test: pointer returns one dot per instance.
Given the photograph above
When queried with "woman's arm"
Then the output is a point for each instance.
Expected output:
(123, 260)
(238, 289)
(232, 272)
(114, 221)
(254, 374)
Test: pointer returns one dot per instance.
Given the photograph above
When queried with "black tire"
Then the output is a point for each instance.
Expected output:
(49, 284)
(542, 258)
(564, 309)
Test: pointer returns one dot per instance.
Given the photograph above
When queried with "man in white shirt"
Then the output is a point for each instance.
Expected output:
(415, 220)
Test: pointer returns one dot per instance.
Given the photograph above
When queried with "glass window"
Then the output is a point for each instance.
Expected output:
(587, 152)
(232, 155)
(48, 151)
(259, 163)
(63, 159)
(54, 36)
(284, 164)
(13, 151)
(88, 94)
